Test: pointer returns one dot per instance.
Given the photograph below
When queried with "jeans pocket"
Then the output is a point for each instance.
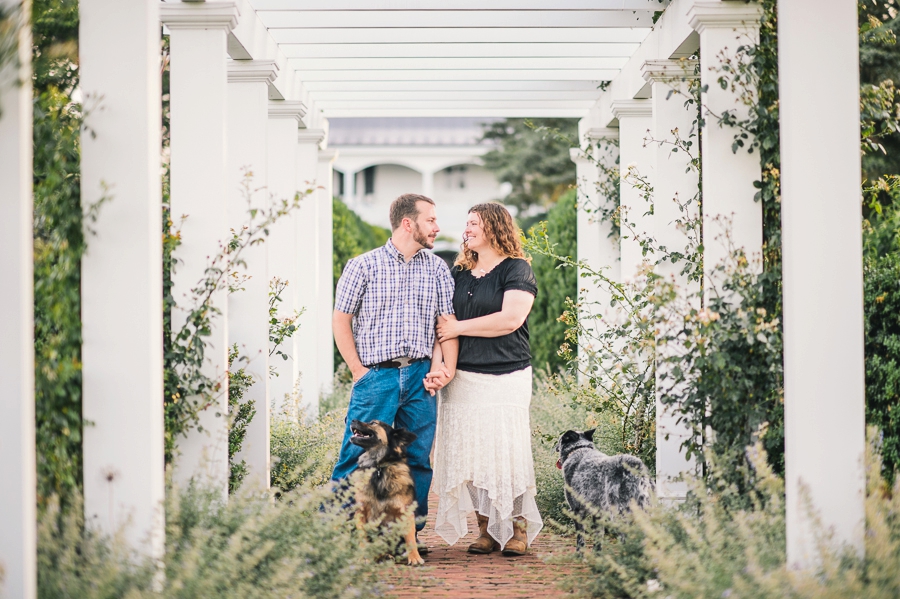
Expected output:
(362, 378)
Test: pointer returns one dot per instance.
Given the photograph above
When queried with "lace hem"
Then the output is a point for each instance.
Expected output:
(452, 518)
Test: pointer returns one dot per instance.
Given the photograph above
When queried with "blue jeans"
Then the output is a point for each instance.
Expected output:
(397, 397)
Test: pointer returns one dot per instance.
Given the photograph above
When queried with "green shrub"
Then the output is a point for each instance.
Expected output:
(352, 236)
(881, 268)
(304, 451)
(59, 243)
(555, 284)
(552, 414)
(250, 547)
(725, 542)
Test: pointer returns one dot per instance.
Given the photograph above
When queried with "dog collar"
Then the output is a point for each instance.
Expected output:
(565, 454)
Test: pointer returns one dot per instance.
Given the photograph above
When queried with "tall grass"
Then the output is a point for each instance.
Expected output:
(726, 544)
(552, 414)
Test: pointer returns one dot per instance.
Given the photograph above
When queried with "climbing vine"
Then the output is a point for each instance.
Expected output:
(189, 388)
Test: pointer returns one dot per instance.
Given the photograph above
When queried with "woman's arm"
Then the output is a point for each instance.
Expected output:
(516, 306)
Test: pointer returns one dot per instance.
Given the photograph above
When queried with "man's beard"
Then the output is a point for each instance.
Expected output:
(421, 239)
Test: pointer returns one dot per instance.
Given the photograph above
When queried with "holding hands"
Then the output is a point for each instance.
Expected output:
(437, 379)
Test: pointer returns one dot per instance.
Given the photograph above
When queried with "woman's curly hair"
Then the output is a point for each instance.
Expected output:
(502, 233)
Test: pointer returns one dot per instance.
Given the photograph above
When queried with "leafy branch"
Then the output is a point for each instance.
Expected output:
(189, 387)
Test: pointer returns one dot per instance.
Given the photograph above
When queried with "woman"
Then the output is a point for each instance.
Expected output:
(483, 457)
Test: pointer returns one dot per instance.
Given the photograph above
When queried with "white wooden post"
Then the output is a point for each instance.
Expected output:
(598, 246)
(428, 184)
(17, 451)
(121, 273)
(728, 176)
(284, 118)
(248, 319)
(198, 88)
(675, 183)
(306, 340)
(823, 299)
(326, 269)
(350, 188)
(635, 120)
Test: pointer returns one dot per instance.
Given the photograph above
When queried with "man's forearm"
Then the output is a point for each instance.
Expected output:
(343, 338)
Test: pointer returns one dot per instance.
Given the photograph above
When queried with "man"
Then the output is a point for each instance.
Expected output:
(386, 306)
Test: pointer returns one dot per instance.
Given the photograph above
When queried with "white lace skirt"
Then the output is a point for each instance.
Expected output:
(483, 456)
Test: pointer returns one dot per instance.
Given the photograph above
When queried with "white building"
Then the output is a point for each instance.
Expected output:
(381, 158)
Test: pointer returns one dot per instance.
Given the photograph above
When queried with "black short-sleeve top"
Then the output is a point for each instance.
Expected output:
(476, 297)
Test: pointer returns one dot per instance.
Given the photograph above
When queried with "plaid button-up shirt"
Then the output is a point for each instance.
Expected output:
(395, 303)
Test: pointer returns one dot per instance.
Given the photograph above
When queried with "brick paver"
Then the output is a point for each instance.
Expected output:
(451, 572)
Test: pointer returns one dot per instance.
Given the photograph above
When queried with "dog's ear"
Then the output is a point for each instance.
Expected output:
(589, 435)
(567, 437)
(401, 438)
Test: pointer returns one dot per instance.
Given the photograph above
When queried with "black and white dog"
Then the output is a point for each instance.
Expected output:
(597, 483)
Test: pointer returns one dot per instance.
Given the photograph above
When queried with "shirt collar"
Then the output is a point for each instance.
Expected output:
(393, 251)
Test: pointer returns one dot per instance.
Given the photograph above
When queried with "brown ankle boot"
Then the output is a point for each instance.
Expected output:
(518, 544)
(485, 543)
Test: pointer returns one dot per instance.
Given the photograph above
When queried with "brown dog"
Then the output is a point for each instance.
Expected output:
(385, 490)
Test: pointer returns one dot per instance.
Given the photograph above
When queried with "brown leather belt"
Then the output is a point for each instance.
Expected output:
(401, 362)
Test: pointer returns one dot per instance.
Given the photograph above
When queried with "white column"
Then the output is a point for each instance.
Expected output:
(306, 340)
(248, 319)
(428, 184)
(350, 188)
(284, 118)
(823, 280)
(728, 176)
(17, 464)
(635, 120)
(326, 269)
(121, 273)
(198, 87)
(676, 182)
(598, 246)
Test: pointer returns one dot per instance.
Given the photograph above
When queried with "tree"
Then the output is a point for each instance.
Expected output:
(879, 73)
(532, 155)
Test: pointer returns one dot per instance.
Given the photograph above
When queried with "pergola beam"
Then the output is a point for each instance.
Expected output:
(458, 112)
(594, 75)
(583, 105)
(461, 50)
(410, 85)
(327, 98)
(335, 65)
(350, 19)
(446, 35)
(473, 5)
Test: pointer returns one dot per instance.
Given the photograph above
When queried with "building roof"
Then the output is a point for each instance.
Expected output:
(425, 131)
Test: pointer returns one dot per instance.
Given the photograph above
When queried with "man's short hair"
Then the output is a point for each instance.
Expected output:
(405, 207)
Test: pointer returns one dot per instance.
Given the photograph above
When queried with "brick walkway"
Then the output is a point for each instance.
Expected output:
(451, 572)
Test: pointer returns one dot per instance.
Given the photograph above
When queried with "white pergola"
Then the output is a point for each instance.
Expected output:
(252, 85)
